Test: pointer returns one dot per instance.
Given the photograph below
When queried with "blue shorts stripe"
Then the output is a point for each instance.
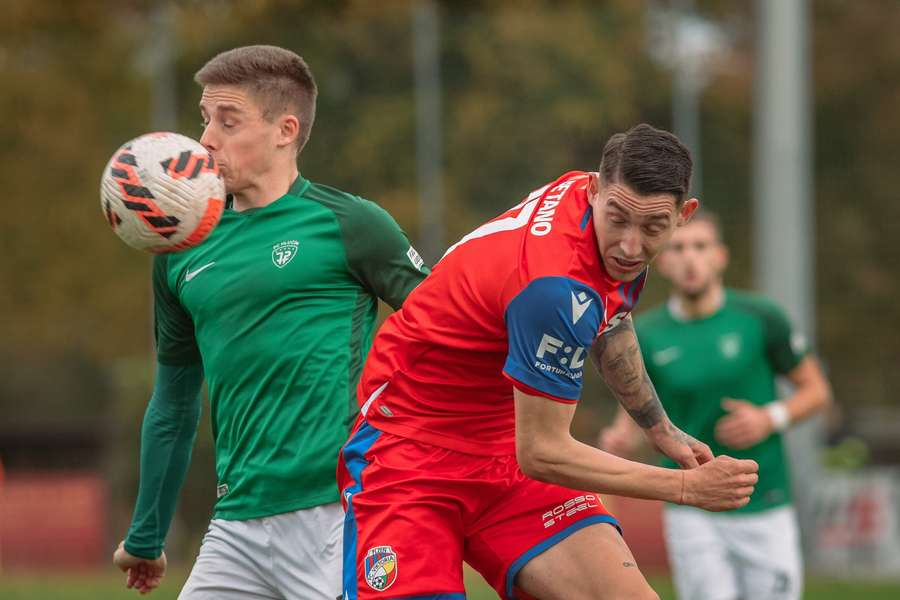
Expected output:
(435, 597)
(549, 543)
(354, 456)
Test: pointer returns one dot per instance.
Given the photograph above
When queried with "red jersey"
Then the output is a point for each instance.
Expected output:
(517, 302)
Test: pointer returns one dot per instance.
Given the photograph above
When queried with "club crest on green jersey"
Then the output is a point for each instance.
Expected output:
(284, 252)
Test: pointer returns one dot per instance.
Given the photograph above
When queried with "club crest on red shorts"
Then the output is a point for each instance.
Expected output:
(381, 567)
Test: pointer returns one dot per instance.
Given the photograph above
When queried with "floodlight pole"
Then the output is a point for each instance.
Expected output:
(164, 103)
(429, 159)
(784, 265)
(687, 89)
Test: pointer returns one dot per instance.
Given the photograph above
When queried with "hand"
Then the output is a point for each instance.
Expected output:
(724, 483)
(619, 440)
(745, 425)
(142, 574)
(679, 446)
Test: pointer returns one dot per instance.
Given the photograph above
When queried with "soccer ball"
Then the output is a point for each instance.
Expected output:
(162, 192)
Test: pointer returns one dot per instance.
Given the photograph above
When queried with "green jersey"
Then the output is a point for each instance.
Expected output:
(734, 353)
(280, 303)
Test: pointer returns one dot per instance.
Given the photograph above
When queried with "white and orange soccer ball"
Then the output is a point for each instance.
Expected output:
(162, 192)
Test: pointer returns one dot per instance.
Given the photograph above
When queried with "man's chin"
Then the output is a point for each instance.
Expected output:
(623, 275)
(693, 292)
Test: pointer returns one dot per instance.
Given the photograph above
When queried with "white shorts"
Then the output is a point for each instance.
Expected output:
(291, 556)
(716, 556)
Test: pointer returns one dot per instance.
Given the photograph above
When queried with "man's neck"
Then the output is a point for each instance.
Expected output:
(696, 307)
(266, 189)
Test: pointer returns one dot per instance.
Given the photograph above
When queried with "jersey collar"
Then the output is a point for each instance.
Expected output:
(299, 186)
(676, 308)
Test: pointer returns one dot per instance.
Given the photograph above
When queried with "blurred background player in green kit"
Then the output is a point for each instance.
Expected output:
(276, 310)
(713, 354)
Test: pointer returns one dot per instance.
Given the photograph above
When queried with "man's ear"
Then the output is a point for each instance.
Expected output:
(593, 187)
(723, 257)
(289, 130)
(687, 211)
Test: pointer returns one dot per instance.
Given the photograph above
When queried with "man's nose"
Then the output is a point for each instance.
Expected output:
(208, 139)
(631, 243)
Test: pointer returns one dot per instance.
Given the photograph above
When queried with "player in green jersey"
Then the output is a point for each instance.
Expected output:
(276, 311)
(713, 354)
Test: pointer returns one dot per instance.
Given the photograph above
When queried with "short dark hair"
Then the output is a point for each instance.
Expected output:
(702, 215)
(649, 161)
(279, 80)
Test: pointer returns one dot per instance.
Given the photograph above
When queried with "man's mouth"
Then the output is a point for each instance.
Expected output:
(626, 265)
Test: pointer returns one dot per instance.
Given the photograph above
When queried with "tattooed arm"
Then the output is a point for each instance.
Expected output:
(546, 451)
(617, 356)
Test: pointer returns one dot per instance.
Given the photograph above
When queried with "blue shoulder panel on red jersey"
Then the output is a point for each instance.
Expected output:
(551, 325)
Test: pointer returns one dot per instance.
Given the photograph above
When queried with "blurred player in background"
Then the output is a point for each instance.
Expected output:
(463, 449)
(713, 354)
(276, 309)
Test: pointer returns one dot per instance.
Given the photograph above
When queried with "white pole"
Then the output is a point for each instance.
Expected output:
(429, 159)
(784, 264)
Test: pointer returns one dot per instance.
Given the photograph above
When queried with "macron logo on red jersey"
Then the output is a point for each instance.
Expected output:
(580, 304)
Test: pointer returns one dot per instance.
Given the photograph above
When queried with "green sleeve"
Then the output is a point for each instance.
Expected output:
(784, 346)
(380, 254)
(167, 437)
(174, 328)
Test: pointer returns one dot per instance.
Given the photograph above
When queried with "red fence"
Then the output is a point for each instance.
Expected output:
(50, 520)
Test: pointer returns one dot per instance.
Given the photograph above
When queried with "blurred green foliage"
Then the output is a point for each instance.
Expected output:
(530, 89)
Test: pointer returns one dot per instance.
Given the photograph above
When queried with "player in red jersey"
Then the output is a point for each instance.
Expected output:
(462, 450)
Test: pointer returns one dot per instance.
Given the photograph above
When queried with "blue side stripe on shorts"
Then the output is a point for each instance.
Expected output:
(354, 455)
(549, 543)
(435, 597)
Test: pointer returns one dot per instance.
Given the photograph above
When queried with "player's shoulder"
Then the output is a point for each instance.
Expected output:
(653, 317)
(554, 294)
(556, 234)
(754, 304)
(351, 210)
(332, 197)
(574, 176)
(161, 266)
(552, 300)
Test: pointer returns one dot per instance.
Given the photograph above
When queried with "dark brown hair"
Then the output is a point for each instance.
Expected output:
(701, 215)
(649, 161)
(278, 79)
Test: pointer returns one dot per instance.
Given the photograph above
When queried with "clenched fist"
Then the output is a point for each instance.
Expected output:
(143, 574)
(724, 483)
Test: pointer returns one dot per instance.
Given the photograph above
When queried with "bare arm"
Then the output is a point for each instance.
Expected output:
(617, 356)
(546, 451)
(747, 424)
(812, 392)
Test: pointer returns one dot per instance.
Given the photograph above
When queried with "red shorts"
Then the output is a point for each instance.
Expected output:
(415, 512)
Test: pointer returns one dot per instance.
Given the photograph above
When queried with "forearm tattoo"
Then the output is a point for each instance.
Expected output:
(617, 356)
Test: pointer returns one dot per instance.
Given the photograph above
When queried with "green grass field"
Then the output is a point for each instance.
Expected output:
(110, 586)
